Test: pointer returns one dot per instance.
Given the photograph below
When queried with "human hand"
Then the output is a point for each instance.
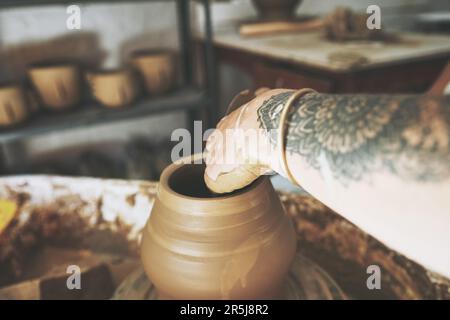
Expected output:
(239, 151)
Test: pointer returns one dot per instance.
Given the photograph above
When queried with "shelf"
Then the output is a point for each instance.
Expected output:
(23, 3)
(94, 114)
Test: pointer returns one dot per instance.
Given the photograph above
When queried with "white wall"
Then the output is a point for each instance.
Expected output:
(117, 28)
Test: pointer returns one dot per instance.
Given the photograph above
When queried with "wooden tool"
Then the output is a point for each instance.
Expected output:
(47, 276)
(96, 282)
(272, 27)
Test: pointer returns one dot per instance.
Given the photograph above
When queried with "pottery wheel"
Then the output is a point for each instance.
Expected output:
(306, 281)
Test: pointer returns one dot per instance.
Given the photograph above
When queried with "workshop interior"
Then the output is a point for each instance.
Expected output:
(96, 97)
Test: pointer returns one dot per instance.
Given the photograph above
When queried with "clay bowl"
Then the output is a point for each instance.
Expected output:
(113, 88)
(157, 69)
(197, 245)
(276, 9)
(58, 85)
(13, 105)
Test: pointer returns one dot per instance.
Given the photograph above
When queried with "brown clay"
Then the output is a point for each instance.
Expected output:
(13, 105)
(200, 245)
(113, 89)
(58, 86)
(157, 69)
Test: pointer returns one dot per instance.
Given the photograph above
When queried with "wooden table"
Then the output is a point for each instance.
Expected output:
(411, 64)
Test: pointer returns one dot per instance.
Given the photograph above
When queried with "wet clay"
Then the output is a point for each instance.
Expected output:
(200, 245)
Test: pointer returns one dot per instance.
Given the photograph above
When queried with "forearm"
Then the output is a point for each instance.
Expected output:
(383, 162)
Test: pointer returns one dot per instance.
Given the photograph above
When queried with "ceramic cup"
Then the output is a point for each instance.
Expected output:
(113, 88)
(157, 69)
(197, 245)
(58, 86)
(13, 105)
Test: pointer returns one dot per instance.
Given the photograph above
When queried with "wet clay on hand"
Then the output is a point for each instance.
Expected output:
(243, 175)
(234, 180)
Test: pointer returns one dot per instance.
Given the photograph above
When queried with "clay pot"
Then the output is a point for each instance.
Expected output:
(276, 9)
(13, 105)
(157, 69)
(113, 88)
(58, 86)
(197, 245)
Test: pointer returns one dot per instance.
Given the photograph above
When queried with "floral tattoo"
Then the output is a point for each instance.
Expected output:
(408, 135)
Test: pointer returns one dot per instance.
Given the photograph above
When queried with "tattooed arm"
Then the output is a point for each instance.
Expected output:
(381, 161)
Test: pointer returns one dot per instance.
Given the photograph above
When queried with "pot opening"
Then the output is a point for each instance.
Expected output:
(188, 181)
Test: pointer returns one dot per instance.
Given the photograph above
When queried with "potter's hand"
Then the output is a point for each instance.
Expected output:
(239, 151)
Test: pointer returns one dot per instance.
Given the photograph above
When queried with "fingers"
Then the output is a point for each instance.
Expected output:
(230, 181)
(233, 158)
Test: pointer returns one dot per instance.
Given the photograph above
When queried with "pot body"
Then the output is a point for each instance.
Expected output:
(238, 246)
(113, 89)
(157, 70)
(58, 86)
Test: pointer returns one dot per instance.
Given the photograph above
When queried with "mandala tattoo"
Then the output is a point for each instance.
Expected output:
(357, 134)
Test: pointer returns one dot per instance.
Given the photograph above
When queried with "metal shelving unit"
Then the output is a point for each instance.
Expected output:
(187, 97)
(93, 114)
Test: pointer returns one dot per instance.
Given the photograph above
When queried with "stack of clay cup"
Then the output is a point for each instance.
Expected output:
(120, 87)
(58, 85)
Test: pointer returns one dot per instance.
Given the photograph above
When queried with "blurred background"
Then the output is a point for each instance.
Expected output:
(96, 89)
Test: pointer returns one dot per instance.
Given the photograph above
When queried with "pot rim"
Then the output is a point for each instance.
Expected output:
(171, 198)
